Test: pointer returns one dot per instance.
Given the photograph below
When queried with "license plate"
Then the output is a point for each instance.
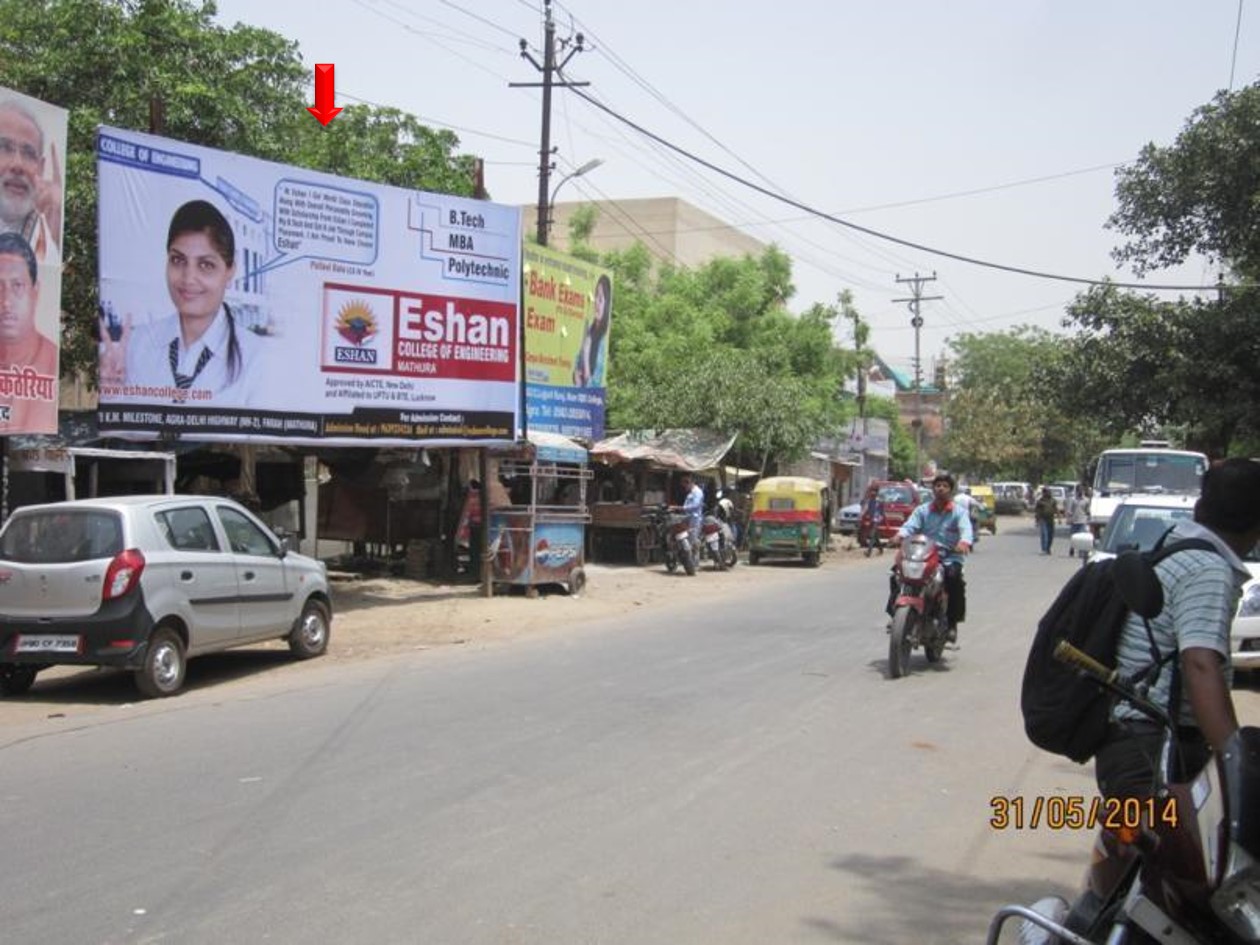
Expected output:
(48, 643)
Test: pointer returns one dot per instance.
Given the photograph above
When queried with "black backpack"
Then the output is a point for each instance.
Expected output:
(1065, 712)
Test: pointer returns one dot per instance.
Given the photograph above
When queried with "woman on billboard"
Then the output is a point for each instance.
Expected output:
(588, 368)
(200, 353)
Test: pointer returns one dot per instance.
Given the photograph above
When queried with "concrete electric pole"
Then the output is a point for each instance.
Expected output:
(550, 69)
(916, 320)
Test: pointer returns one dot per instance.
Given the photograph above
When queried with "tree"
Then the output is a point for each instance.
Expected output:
(166, 65)
(1141, 363)
(999, 421)
(715, 347)
(1198, 195)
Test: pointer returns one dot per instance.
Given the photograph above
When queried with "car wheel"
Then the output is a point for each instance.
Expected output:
(162, 673)
(15, 680)
(309, 636)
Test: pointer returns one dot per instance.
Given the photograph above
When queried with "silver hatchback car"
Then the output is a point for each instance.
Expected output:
(144, 583)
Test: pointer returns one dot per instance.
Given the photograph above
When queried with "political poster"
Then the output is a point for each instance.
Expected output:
(568, 315)
(244, 300)
(32, 195)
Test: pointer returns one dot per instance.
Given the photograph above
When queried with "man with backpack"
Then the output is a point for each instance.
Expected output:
(1201, 592)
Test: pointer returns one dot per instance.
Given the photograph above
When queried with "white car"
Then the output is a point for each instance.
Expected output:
(1139, 522)
(848, 519)
(145, 582)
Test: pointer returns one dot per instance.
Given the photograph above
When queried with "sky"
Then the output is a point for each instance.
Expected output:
(988, 129)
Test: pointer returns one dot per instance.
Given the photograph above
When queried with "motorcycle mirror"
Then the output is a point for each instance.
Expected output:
(1138, 585)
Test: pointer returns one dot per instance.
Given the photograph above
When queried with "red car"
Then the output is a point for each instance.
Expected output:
(899, 499)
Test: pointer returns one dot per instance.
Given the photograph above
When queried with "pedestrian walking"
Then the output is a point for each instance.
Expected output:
(1043, 513)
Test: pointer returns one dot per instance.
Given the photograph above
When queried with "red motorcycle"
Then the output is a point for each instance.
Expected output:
(920, 609)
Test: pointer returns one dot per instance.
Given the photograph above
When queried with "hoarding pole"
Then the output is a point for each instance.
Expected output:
(487, 576)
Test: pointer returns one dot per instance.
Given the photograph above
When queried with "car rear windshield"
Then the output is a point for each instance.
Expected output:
(898, 495)
(60, 537)
(1140, 527)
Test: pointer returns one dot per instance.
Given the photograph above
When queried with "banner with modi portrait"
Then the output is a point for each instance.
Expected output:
(244, 300)
(32, 224)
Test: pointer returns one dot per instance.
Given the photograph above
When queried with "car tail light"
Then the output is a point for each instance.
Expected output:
(123, 573)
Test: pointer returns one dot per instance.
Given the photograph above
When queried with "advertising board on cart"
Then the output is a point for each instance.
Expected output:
(247, 300)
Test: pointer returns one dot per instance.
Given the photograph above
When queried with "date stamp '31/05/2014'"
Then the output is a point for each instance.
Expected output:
(1077, 812)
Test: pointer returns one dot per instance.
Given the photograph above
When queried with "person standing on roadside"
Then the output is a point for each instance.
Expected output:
(1043, 514)
(1078, 513)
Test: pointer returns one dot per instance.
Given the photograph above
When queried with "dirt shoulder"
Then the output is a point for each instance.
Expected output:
(381, 615)
(377, 617)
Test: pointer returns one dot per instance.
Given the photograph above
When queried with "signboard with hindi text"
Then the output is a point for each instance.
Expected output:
(32, 200)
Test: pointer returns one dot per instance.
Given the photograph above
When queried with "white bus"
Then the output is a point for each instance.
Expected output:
(1153, 471)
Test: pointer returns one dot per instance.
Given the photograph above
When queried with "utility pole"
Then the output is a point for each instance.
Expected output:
(549, 69)
(916, 320)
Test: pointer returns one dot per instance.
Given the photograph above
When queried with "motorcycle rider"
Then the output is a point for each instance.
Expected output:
(945, 523)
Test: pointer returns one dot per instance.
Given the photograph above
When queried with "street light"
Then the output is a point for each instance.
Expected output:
(585, 168)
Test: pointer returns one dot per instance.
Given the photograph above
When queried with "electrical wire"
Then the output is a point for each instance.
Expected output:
(957, 257)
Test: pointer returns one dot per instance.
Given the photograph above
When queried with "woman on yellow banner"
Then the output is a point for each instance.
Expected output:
(588, 368)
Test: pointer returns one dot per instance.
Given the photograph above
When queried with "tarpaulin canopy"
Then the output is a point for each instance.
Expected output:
(689, 450)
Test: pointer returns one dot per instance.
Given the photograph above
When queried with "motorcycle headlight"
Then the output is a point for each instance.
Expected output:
(1249, 606)
(913, 570)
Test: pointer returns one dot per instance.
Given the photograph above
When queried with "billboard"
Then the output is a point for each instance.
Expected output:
(568, 315)
(32, 195)
(247, 300)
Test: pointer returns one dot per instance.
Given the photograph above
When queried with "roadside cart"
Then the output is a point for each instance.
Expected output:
(540, 537)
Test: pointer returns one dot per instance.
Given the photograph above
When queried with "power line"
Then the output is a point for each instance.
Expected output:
(813, 211)
(1233, 59)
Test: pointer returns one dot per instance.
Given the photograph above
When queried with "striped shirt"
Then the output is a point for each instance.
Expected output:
(1201, 592)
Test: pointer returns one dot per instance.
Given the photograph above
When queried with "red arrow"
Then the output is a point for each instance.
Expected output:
(324, 111)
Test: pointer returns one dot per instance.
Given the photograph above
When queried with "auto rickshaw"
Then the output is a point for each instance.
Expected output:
(986, 512)
(788, 518)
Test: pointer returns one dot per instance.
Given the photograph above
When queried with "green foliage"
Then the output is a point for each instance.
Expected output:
(166, 65)
(715, 347)
(1198, 195)
(1140, 364)
(1000, 421)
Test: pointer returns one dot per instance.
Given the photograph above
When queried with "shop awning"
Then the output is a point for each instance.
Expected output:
(689, 450)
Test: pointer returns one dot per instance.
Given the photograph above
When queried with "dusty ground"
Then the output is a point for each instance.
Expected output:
(382, 615)
(375, 617)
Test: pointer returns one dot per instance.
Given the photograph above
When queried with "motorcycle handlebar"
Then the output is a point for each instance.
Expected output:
(1065, 652)
(1110, 679)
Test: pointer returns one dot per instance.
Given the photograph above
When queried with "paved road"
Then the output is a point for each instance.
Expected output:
(736, 773)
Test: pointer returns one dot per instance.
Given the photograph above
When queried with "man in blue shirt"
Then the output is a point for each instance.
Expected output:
(949, 526)
(693, 506)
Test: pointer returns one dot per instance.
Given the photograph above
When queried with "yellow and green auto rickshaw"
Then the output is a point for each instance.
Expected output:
(788, 518)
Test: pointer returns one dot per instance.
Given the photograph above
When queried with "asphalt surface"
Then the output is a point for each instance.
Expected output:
(735, 770)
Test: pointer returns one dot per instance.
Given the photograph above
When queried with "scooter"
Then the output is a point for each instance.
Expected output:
(921, 607)
(1182, 866)
(717, 537)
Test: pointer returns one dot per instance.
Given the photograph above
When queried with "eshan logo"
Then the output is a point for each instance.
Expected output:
(356, 323)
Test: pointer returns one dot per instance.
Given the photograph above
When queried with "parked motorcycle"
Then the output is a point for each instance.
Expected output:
(673, 536)
(1183, 866)
(920, 608)
(717, 537)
